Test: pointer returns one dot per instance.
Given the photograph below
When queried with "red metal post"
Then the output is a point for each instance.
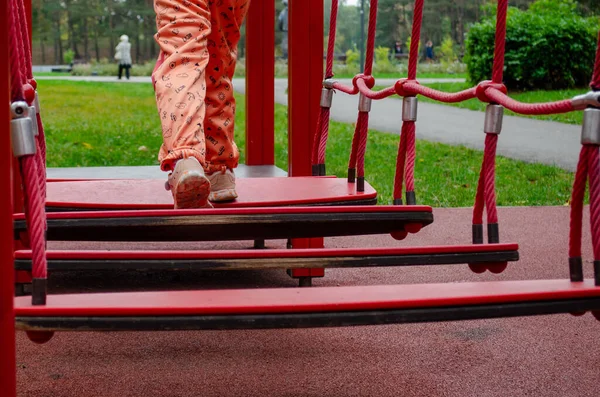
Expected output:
(8, 366)
(305, 76)
(305, 40)
(18, 204)
(260, 83)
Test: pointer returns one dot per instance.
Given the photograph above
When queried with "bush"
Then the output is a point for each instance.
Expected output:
(549, 46)
(69, 56)
(352, 58)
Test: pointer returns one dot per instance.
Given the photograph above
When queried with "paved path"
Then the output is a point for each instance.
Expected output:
(523, 139)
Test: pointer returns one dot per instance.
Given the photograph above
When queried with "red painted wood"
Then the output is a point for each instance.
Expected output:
(305, 78)
(273, 253)
(301, 300)
(253, 192)
(237, 211)
(260, 83)
(8, 366)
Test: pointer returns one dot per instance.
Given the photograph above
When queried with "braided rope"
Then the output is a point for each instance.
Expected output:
(331, 40)
(500, 44)
(595, 83)
(400, 163)
(410, 156)
(577, 197)
(491, 142)
(415, 38)
(32, 166)
(325, 113)
(370, 52)
(594, 173)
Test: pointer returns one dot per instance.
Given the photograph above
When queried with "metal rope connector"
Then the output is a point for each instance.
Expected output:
(581, 102)
(36, 103)
(326, 97)
(21, 130)
(409, 108)
(328, 83)
(364, 103)
(33, 117)
(493, 119)
(590, 131)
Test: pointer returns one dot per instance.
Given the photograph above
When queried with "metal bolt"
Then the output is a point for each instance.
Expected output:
(590, 131)
(409, 108)
(493, 119)
(326, 97)
(364, 103)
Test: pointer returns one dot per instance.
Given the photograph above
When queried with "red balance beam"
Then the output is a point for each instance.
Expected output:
(233, 223)
(253, 192)
(269, 259)
(298, 307)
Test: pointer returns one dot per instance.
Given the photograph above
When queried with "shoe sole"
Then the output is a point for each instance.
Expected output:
(222, 195)
(192, 191)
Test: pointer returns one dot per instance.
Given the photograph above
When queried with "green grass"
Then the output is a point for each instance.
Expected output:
(54, 74)
(522, 96)
(90, 124)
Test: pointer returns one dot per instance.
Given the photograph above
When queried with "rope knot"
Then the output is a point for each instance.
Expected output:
(484, 85)
(29, 93)
(401, 90)
(33, 83)
(368, 79)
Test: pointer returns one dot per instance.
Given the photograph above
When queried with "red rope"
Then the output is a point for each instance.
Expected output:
(412, 89)
(32, 167)
(325, 112)
(331, 41)
(410, 156)
(370, 52)
(400, 163)
(24, 36)
(577, 197)
(491, 142)
(500, 98)
(594, 172)
(322, 133)
(16, 76)
(486, 195)
(479, 197)
(35, 216)
(500, 44)
(595, 83)
(355, 142)
(415, 38)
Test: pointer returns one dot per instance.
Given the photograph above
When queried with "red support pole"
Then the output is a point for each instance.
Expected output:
(8, 366)
(305, 42)
(260, 79)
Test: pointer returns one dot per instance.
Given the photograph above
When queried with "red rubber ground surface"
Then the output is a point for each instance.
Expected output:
(535, 356)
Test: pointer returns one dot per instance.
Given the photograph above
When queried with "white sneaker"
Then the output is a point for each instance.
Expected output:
(222, 186)
(188, 184)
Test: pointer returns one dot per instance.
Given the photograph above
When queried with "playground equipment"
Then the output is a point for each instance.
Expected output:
(318, 206)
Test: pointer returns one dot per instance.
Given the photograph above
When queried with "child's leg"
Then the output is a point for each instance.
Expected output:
(227, 17)
(179, 78)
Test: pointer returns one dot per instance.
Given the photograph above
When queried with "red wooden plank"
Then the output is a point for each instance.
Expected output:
(300, 300)
(272, 253)
(363, 209)
(8, 371)
(253, 192)
(260, 88)
(305, 79)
